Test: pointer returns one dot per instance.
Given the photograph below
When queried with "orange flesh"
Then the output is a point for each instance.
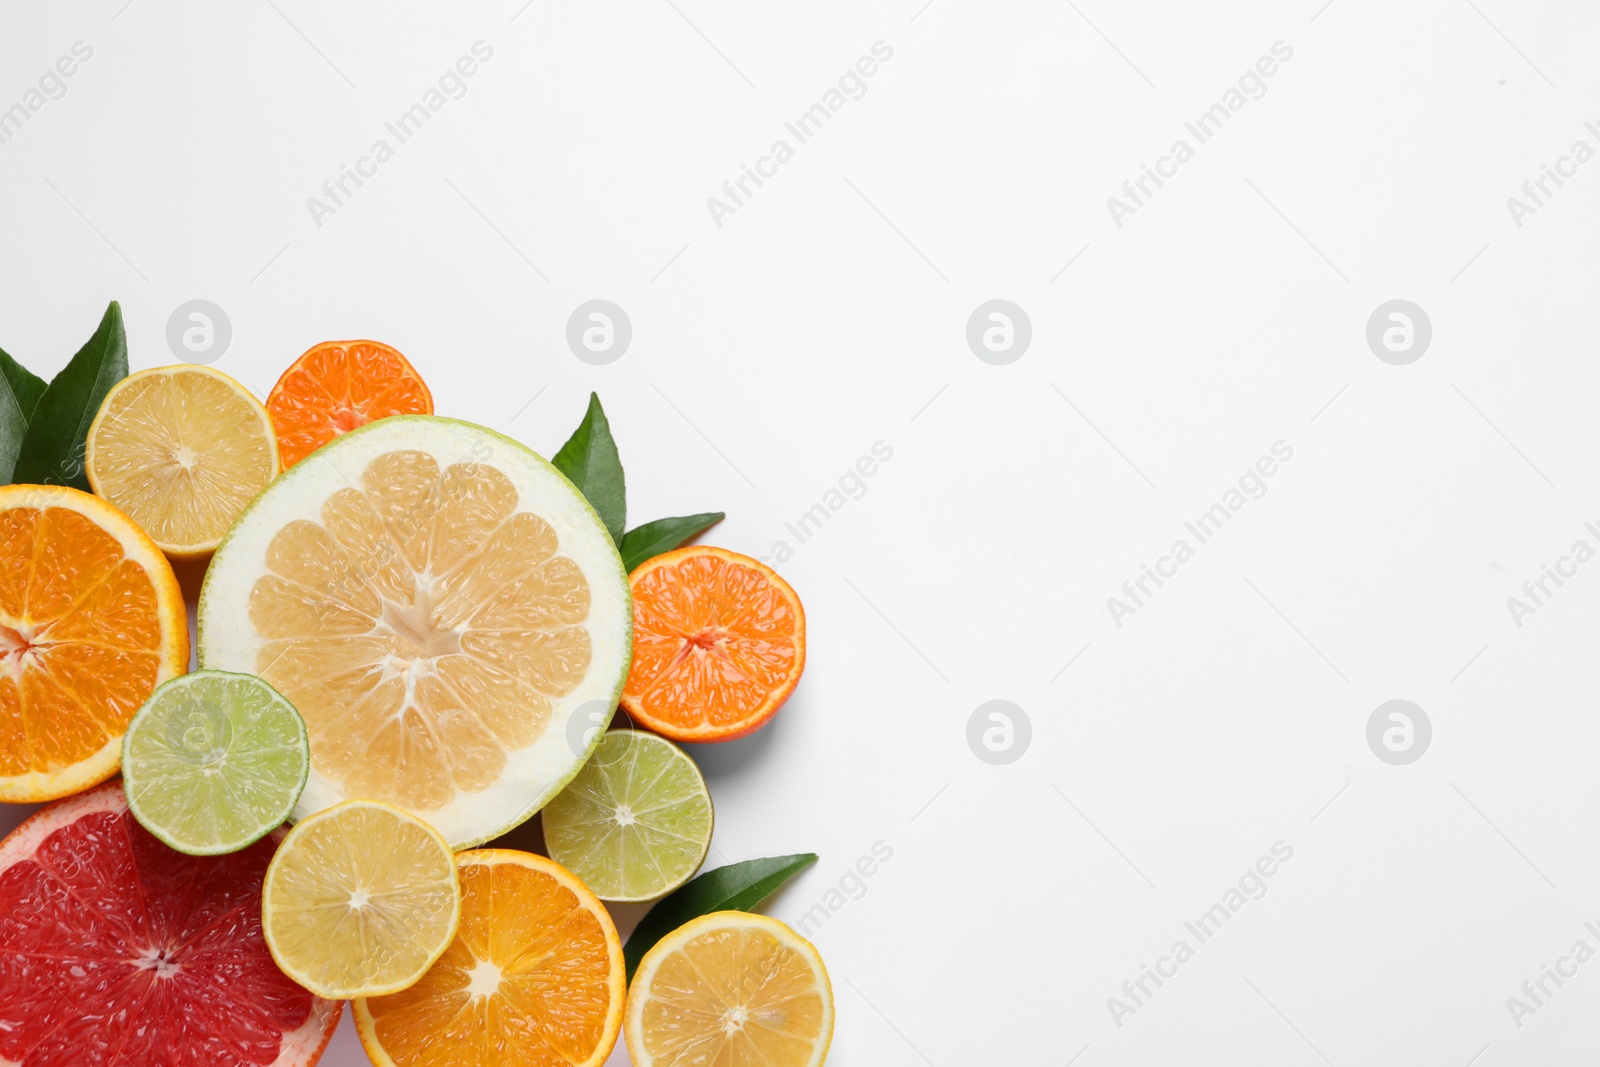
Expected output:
(420, 629)
(527, 980)
(717, 645)
(80, 639)
(338, 386)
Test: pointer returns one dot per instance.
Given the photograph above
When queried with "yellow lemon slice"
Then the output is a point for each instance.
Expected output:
(730, 987)
(360, 900)
(181, 450)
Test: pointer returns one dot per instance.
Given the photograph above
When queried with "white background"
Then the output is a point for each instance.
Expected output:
(829, 313)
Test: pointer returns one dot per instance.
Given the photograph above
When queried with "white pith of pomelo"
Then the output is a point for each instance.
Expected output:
(534, 771)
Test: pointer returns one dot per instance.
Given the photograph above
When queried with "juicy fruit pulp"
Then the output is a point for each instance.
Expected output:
(214, 761)
(360, 900)
(533, 978)
(453, 642)
(719, 644)
(636, 822)
(340, 385)
(114, 949)
(730, 988)
(437, 620)
(182, 450)
(91, 621)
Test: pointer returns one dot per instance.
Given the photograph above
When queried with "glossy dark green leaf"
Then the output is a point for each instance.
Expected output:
(589, 460)
(19, 393)
(52, 450)
(736, 887)
(663, 535)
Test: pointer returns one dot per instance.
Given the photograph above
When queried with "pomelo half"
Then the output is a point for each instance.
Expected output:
(114, 950)
(444, 608)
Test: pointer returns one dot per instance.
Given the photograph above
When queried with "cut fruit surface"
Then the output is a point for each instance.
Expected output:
(438, 619)
(636, 822)
(719, 641)
(534, 977)
(91, 621)
(338, 386)
(181, 450)
(730, 988)
(214, 761)
(116, 950)
(360, 900)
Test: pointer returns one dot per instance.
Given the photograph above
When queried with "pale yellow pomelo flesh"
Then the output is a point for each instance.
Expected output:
(438, 602)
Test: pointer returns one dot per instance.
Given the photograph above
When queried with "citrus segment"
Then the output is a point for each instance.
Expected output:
(730, 988)
(91, 621)
(360, 900)
(181, 450)
(534, 977)
(719, 641)
(636, 822)
(337, 386)
(214, 761)
(116, 950)
(438, 603)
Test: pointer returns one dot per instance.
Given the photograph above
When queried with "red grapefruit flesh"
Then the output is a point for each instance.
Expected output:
(115, 950)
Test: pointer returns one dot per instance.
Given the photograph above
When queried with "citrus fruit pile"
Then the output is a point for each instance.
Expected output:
(413, 635)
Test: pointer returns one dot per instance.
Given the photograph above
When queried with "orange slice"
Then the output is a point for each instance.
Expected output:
(337, 386)
(534, 977)
(91, 621)
(719, 641)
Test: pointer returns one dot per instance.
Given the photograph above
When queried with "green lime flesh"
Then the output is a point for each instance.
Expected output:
(214, 761)
(636, 821)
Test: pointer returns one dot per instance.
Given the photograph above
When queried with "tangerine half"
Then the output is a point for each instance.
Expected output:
(337, 386)
(719, 641)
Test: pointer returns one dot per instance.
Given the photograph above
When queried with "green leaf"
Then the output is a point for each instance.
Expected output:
(52, 451)
(19, 393)
(589, 460)
(663, 535)
(736, 887)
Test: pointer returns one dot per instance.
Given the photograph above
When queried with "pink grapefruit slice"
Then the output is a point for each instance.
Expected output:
(116, 950)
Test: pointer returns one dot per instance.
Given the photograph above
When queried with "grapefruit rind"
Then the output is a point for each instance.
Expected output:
(366, 1023)
(37, 786)
(301, 1048)
(533, 774)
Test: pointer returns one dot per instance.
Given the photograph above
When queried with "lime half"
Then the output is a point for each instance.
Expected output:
(214, 761)
(636, 821)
